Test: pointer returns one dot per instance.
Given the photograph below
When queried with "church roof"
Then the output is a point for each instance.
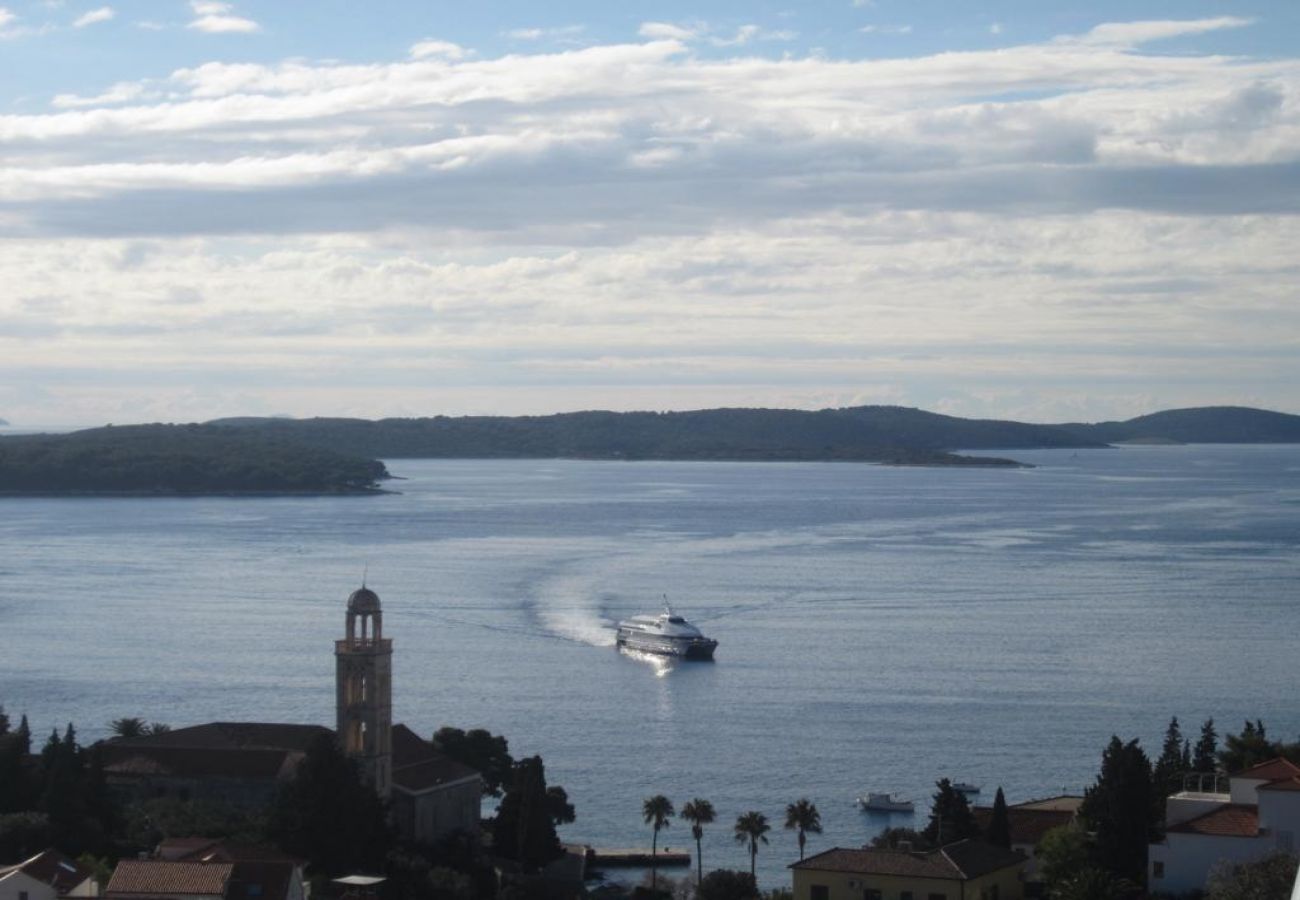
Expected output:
(417, 767)
(233, 735)
(191, 762)
(53, 868)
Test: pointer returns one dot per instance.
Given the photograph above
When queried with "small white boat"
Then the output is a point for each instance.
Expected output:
(965, 787)
(886, 803)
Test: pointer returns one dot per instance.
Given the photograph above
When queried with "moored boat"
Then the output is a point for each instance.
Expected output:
(667, 634)
(885, 802)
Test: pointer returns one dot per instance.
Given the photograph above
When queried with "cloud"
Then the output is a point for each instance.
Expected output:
(538, 34)
(1131, 34)
(886, 29)
(103, 14)
(995, 28)
(437, 49)
(7, 17)
(218, 18)
(668, 31)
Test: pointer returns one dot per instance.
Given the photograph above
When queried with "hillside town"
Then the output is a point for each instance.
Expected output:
(370, 809)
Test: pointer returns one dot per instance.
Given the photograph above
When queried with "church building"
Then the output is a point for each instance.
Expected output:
(243, 764)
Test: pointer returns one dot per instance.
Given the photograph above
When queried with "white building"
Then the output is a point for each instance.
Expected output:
(1257, 815)
(46, 876)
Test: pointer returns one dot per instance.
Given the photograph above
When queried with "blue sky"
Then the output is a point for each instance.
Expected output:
(1025, 209)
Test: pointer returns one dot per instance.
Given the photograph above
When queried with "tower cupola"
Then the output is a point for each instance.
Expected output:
(364, 690)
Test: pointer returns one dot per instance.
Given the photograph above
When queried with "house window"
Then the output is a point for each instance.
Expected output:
(1158, 869)
(872, 894)
(820, 892)
(904, 895)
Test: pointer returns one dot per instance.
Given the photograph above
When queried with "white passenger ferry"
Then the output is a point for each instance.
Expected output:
(667, 633)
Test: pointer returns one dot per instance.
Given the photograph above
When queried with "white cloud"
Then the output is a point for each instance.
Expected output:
(886, 29)
(668, 31)
(1130, 34)
(437, 49)
(995, 28)
(7, 17)
(538, 34)
(94, 16)
(219, 18)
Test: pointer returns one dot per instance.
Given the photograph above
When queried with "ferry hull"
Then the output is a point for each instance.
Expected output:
(699, 648)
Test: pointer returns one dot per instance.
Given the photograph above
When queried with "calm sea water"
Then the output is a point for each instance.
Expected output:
(879, 627)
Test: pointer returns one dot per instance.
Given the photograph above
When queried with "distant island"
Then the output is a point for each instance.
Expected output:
(254, 455)
(178, 459)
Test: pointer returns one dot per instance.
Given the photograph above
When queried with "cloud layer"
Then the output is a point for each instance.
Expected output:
(626, 219)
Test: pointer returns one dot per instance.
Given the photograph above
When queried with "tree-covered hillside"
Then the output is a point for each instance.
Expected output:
(1201, 425)
(178, 459)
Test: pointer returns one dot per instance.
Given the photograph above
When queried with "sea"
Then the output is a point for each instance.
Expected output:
(879, 627)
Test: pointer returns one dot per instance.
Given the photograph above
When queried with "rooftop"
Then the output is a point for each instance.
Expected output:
(1272, 770)
(53, 868)
(960, 861)
(155, 877)
(1229, 820)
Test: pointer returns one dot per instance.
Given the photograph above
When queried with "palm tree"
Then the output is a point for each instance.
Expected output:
(803, 816)
(656, 811)
(752, 827)
(699, 813)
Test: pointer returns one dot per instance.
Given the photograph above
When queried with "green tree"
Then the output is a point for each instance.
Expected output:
(328, 816)
(950, 816)
(802, 816)
(1207, 747)
(1252, 747)
(486, 753)
(750, 828)
(726, 884)
(892, 838)
(18, 789)
(1167, 773)
(999, 831)
(524, 828)
(24, 834)
(1062, 852)
(1120, 811)
(699, 813)
(1270, 878)
(128, 728)
(1094, 883)
(558, 806)
(656, 811)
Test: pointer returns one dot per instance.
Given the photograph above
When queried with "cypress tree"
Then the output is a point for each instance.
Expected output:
(950, 816)
(999, 831)
(1119, 809)
(1207, 748)
(1168, 771)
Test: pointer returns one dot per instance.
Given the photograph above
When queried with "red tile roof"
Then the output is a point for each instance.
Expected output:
(155, 877)
(1270, 771)
(1230, 820)
(53, 868)
(1286, 784)
(961, 861)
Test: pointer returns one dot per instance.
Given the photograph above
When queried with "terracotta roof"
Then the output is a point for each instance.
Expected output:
(1272, 770)
(418, 767)
(961, 861)
(53, 868)
(154, 877)
(1028, 824)
(232, 736)
(1230, 820)
(1059, 803)
(1286, 784)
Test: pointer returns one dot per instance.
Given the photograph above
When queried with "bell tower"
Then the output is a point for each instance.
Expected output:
(364, 684)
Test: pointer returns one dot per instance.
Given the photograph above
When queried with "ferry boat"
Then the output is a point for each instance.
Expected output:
(883, 802)
(667, 634)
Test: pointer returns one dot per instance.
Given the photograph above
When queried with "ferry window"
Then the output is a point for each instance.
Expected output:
(820, 892)
(1158, 869)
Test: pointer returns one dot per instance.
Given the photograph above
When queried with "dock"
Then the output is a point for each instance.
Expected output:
(635, 857)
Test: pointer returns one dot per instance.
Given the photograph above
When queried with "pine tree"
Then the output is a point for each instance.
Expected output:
(950, 816)
(524, 829)
(1168, 771)
(999, 830)
(1119, 809)
(1207, 748)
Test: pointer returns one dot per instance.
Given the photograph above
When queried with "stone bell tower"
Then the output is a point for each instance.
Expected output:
(364, 681)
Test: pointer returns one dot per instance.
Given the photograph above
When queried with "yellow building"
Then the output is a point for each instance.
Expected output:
(966, 870)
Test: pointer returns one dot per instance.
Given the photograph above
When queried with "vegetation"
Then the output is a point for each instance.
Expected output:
(750, 828)
(656, 811)
(1062, 852)
(178, 459)
(1207, 749)
(726, 884)
(1174, 762)
(893, 838)
(802, 816)
(699, 813)
(477, 748)
(524, 828)
(328, 816)
(950, 816)
(1252, 747)
(1270, 878)
(1118, 808)
(999, 830)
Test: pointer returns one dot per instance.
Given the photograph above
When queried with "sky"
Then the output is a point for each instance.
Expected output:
(1047, 211)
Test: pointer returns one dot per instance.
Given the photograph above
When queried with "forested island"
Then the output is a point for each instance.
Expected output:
(178, 459)
(336, 455)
